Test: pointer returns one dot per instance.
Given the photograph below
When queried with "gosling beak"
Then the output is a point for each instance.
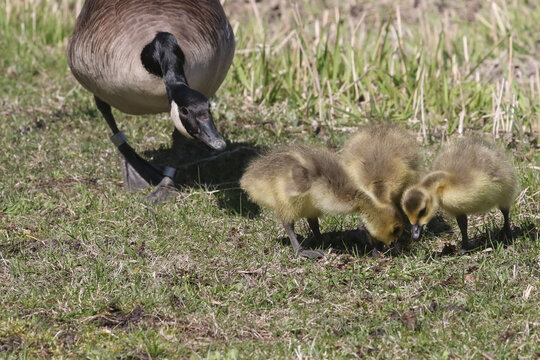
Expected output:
(209, 135)
(416, 232)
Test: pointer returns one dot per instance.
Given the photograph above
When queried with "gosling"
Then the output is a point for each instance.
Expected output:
(306, 182)
(382, 160)
(469, 176)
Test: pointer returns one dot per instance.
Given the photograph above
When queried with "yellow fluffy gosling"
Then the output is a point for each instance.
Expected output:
(469, 175)
(306, 182)
(382, 159)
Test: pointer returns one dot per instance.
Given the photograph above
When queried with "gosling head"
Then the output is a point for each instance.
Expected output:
(190, 112)
(420, 207)
(386, 225)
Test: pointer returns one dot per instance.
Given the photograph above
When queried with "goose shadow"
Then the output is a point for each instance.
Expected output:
(197, 166)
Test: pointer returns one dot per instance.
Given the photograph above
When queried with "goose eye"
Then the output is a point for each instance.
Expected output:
(422, 212)
(184, 111)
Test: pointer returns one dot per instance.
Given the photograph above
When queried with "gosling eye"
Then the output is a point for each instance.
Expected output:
(422, 212)
(397, 230)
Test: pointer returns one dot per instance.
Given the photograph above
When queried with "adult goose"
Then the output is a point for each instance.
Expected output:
(145, 57)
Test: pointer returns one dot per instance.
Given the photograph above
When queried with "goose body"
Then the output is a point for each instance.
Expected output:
(382, 160)
(469, 176)
(307, 182)
(105, 50)
(145, 57)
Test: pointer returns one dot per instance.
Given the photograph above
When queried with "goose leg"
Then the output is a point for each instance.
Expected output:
(466, 244)
(312, 254)
(138, 173)
(507, 230)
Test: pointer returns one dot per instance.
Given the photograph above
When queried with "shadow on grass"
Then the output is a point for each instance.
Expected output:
(438, 225)
(354, 242)
(200, 167)
(495, 237)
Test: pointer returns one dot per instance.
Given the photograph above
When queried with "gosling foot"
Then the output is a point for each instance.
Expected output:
(311, 254)
(468, 246)
(505, 235)
(376, 253)
(397, 249)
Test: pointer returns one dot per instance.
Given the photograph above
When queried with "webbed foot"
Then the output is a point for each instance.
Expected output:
(133, 181)
(468, 246)
(311, 254)
(505, 235)
(397, 249)
(162, 191)
(376, 253)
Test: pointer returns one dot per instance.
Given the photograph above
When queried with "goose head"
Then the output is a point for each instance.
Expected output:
(190, 112)
(420, 206)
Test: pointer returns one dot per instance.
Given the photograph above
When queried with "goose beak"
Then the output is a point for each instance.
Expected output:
(209, 135)
(416, 232)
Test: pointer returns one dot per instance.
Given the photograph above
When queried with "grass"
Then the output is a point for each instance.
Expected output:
(88, 270)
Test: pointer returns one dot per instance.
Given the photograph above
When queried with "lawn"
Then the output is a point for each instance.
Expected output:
(88, 270)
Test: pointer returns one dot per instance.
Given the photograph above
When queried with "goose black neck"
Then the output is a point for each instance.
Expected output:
(163, 57)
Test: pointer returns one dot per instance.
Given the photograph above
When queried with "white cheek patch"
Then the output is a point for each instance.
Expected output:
(175, 115)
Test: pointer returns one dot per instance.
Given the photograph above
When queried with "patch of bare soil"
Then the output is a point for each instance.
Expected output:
(69, 337)
(521, 69)
(410, 317)
(114, 317)
(20, 245)
(272, 11)
(10, 343)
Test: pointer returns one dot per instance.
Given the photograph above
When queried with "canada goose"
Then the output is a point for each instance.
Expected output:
(306, 182)
(470, 175)
(145, 57)
(383, 160)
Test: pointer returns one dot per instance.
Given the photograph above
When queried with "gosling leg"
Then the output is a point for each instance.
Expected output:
(312, 254)
(314, 226)
(466, 244)
(507, 230)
